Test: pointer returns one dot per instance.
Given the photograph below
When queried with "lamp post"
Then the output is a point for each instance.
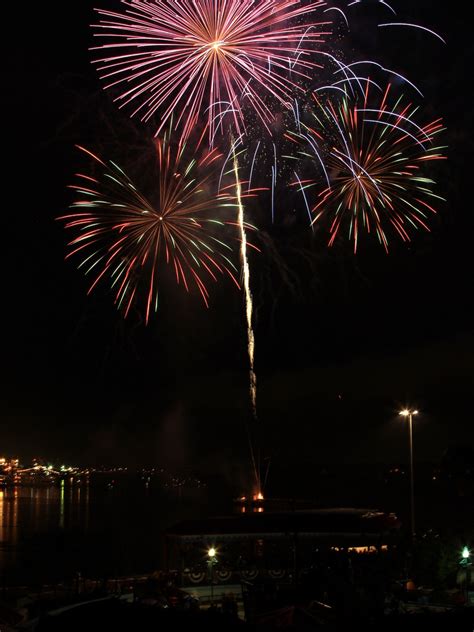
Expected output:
(465, 563)
(409, 414)
(211, 561)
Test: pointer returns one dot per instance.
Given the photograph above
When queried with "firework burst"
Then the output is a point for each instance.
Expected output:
(126, 239)
(208, 57)
(373, 167)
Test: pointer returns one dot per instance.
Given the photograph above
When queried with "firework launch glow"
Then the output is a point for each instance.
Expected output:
(210, 56)
(126, 239)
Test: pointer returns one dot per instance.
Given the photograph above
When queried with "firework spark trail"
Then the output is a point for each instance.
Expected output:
(387, 70)
(415, 26)
(248, 308)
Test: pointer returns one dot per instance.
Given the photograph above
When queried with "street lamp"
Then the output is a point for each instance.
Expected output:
(465, 563)
(409, 413)
(211, 561)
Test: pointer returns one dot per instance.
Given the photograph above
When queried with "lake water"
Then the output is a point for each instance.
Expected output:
(49, 534)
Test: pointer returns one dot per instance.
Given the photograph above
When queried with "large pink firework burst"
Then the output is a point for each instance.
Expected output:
(204, 60)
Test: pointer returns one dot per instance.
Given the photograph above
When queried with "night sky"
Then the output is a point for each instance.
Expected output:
(340, 347)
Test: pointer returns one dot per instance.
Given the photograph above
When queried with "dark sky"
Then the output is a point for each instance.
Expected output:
(338, 352)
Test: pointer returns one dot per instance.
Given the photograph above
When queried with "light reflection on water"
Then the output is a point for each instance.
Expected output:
(9, 516)
(49, 534)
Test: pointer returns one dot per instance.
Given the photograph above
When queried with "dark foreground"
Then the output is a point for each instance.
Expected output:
(113, 614)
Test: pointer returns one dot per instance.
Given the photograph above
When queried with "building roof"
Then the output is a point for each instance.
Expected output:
(318, 522)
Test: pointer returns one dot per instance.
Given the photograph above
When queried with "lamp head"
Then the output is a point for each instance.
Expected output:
(406, 413)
